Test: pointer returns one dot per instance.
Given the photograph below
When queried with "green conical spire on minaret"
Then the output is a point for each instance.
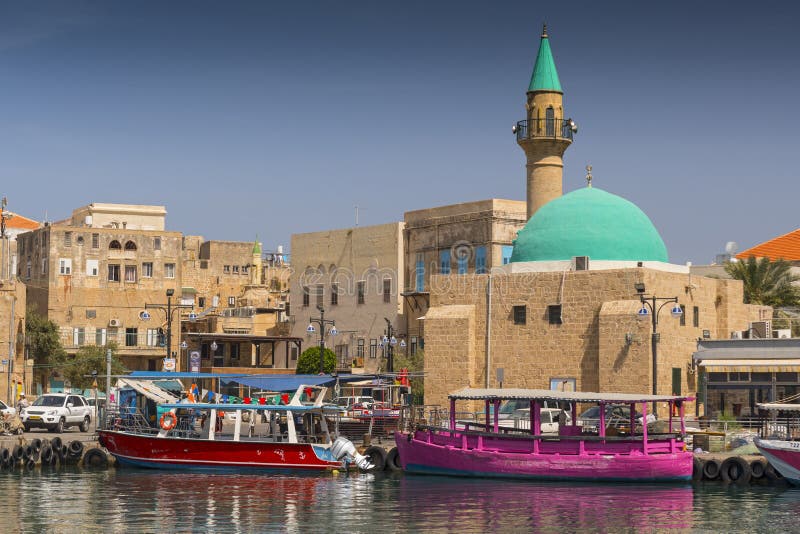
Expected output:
(256, 247)
(545, 77)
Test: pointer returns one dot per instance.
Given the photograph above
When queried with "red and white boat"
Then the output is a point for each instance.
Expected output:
(490, 450)
(190, 436)
(780, 441)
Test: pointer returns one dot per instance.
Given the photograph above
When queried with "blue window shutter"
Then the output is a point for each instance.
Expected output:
(444, 262)
(507, 251)
(420, 275)
(480, 260)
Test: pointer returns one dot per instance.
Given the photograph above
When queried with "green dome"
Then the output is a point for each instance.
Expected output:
(589, 222)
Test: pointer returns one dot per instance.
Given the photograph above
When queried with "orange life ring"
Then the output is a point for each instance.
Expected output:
(168, 424)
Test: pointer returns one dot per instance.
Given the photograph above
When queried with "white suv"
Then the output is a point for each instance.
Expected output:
(56, 411)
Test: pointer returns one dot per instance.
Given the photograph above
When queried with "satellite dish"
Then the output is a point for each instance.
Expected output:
(731, 247)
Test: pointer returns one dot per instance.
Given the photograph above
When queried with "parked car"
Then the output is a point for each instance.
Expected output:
(6, 410)
(354, 406)
(616, 415)
(57, 411)
(521, 419)
(508, 408)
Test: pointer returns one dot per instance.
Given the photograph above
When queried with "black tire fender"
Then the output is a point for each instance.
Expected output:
(36, 444)
(47, 454)
(18, 452)
(75, 448)
(735, 470)
(63, 452)
(5, 454)
(95, 458)
(30, 463)
(697, 469)
(377, 457)
(27, 452)
(56, 443)
(393, 460)
(758, 468)
(711, 469)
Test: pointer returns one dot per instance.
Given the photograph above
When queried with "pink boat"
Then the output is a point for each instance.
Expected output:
(780, 441)
(492, 450)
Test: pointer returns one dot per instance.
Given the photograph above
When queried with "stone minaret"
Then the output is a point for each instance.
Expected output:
(545, 134)
(255, 272)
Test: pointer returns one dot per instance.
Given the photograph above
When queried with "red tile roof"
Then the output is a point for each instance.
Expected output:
(785, 247)
(21, 223)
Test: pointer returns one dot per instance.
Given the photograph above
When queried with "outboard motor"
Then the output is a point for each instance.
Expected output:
(343, 447)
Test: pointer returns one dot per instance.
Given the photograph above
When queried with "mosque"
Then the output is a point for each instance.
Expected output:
(588, 301)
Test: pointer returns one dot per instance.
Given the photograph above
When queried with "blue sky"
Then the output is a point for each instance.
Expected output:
(272, 118)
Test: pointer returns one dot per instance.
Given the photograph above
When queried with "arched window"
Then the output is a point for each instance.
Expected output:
(115, 245)
(130, 245)
(550, 122)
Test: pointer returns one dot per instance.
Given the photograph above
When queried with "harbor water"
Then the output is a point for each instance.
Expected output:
(131, 500)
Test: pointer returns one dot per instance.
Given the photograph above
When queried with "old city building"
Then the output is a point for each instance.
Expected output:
(112, 273)
(15, 375)
(356, 276)
(241, 301)
(472, 237)
(95, 273)
(565, 311)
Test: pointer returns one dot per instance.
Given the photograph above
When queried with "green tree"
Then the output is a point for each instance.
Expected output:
(766, 282)
(415, 365)
(308, 362)
(43, 341)
(78, 369)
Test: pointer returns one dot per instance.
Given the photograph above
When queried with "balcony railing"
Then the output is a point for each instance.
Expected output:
(545, 129)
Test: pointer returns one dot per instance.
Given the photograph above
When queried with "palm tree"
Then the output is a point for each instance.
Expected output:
(766, 282)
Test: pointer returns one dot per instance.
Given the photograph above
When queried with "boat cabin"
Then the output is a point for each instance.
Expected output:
(299, 418)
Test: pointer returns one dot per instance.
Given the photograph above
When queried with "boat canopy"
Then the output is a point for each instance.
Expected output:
(246, 407)
(283, 383)
(264, 382)
(148, 389)
(547, 394)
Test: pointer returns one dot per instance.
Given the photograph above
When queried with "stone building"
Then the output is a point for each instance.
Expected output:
(356, 275)
(472, 237)
(15, 376)
(94, 274)
(241, 305)
(566, 311)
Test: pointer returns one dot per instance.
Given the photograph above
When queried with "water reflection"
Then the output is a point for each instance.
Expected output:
(74, 500)
(487, 506)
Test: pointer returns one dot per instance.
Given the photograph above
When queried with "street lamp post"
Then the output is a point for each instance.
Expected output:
(322, 323)
(169, 309)
(388, 342)
(650, 309)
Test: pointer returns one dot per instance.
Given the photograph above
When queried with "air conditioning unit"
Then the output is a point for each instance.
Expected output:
(281, 305)
(736, 335)
(580, 263)
(782, 333)
(115, 322)
(760, 329)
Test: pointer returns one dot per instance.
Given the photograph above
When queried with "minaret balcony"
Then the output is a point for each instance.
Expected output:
(545, 129)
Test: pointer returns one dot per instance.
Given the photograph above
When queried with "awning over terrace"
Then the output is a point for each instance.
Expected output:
(747, 366)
